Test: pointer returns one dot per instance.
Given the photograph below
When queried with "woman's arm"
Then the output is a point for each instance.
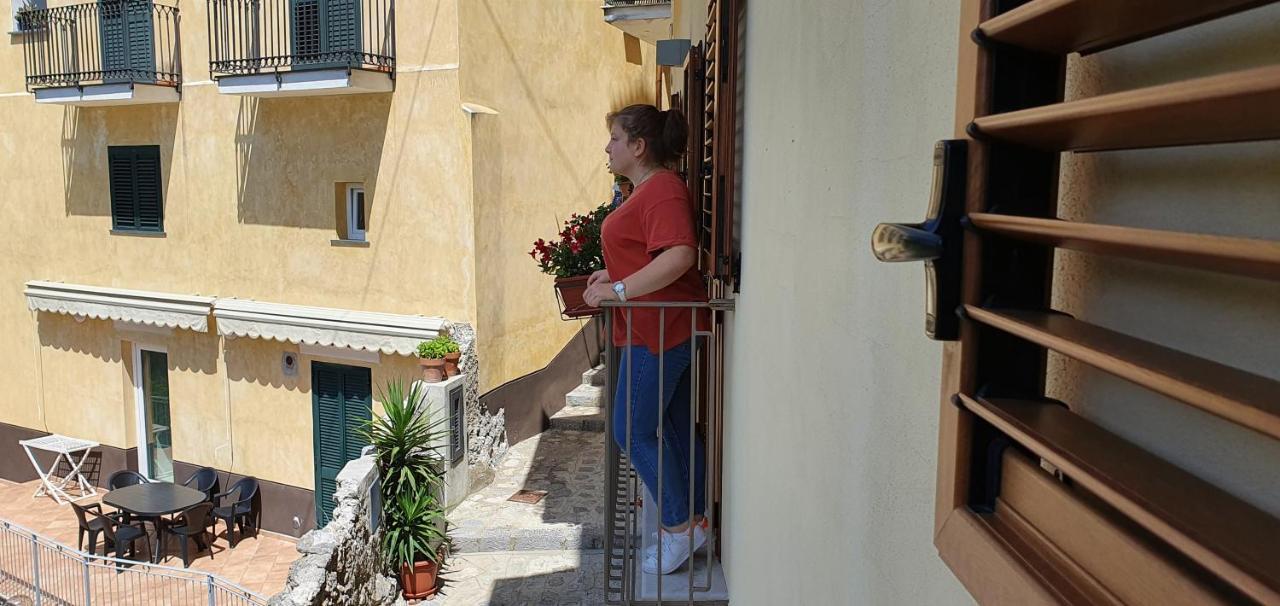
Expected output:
(664, 269)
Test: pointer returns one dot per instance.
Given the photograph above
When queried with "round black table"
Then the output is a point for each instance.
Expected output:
(152, 500)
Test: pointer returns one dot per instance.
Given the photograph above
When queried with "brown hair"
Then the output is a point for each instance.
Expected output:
(665, 132)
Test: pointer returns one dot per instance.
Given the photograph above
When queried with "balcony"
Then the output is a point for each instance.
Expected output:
(290, 48)
(648, 20)
(112, 52)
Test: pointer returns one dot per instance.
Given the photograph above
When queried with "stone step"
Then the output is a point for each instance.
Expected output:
(594, 376)
(584, 395)
(579, 418)
(473, 537)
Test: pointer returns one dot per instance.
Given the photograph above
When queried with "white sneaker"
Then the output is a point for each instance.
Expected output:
(675, 549)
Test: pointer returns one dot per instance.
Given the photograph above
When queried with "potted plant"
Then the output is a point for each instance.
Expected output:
(452, 357)
(407, 444)
(573, 258)
(415, 541)
(25, 15)
(431, 358)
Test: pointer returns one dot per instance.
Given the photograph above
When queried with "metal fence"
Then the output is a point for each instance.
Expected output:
(36, 570)
(109, 41)
(625, 491)
(257, 36)
(616, 3)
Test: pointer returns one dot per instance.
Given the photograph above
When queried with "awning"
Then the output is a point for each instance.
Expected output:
(361, 330)
(139, 306)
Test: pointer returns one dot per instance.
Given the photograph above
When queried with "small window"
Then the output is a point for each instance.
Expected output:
(135, 183)
(22, 6)
(355, 212)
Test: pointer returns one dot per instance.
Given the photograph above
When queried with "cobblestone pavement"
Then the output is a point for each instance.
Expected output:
(525, 578)
(569, 465)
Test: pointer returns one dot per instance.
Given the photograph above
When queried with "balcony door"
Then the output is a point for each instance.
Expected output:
(151, 388)
(326, 33)
(127, 40)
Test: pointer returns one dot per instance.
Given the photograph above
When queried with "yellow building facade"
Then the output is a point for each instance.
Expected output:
(490, 130)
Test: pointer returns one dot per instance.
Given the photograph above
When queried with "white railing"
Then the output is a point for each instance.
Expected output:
(37, 570)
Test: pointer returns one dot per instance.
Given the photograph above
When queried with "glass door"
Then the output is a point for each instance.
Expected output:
(156, 452)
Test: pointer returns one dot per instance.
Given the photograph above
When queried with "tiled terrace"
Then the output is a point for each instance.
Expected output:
(259, 564)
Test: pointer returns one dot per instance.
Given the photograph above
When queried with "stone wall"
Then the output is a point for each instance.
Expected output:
(340, 564)
(486, 433)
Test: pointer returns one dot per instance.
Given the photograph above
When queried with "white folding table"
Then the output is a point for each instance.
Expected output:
(66, 449)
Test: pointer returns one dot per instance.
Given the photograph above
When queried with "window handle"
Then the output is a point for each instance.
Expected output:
(936, 241)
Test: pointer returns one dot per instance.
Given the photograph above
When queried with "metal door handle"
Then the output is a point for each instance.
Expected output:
(936, 241)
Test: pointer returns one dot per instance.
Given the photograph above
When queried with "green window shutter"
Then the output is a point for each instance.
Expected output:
(127, 40)
(124, 206)
(342, 26)
(357, 406)
(342, 400)
(135, 183)
(306, 30)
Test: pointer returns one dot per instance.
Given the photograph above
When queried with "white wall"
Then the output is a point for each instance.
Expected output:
(831, 419)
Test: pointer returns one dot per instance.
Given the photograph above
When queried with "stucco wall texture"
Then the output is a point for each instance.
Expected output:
(831, 413)
(249, 212)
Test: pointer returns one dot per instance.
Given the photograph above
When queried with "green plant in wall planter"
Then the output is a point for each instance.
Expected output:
(407, 443)
(431, 358)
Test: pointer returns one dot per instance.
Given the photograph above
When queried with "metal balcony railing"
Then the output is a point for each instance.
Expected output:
(110, 41)
(36, 570)
(267, 36)
(617, 3)
(627, 530)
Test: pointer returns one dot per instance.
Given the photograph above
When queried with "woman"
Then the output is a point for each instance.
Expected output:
(649, 251)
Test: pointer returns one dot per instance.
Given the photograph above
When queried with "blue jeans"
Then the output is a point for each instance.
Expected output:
(674, 401)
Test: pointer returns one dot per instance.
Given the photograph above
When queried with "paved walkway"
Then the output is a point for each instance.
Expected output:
(548, 553)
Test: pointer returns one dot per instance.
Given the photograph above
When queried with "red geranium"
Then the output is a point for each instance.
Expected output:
(578, 251)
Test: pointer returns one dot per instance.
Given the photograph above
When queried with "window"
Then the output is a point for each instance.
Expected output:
(151, 391)
(136, 204)
(355, 212)
(21, 6)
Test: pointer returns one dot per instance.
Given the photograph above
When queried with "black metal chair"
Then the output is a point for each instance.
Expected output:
(244, 511)
(120, 534)
(92, 525)
(205, 480)
(191, 524)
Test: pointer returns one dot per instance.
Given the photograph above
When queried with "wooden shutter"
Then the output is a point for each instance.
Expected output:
(342, 26)
(135, 186)
(306, 35)
(1037, 502)
(342, 403)
(719, 126)
(127, 37)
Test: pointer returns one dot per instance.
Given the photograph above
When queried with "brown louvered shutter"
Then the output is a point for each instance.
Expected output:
(1061, 477)
(720, 124)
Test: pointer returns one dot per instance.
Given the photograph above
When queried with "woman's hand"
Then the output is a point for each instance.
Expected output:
(598, 275)
(600, 291)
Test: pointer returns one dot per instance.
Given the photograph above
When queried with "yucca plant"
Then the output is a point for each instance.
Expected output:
(416, 530)
(407, 442)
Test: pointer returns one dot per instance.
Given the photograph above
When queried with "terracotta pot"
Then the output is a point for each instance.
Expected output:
(570, 291)
(420, 582)
(432, 369)
(451, 364)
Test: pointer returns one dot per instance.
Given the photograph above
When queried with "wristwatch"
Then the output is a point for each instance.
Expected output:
(620, 289)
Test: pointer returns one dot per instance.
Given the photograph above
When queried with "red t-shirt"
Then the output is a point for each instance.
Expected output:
(657, 216)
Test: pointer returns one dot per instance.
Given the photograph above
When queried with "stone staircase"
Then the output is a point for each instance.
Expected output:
(582, 410)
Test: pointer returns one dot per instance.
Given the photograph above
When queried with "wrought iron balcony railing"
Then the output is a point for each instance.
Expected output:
(264, 36)
(103, 42)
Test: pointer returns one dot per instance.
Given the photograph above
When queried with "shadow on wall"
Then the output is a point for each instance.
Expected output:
(65, 333)
(290, 153)
(260, 361)
(87, 132)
